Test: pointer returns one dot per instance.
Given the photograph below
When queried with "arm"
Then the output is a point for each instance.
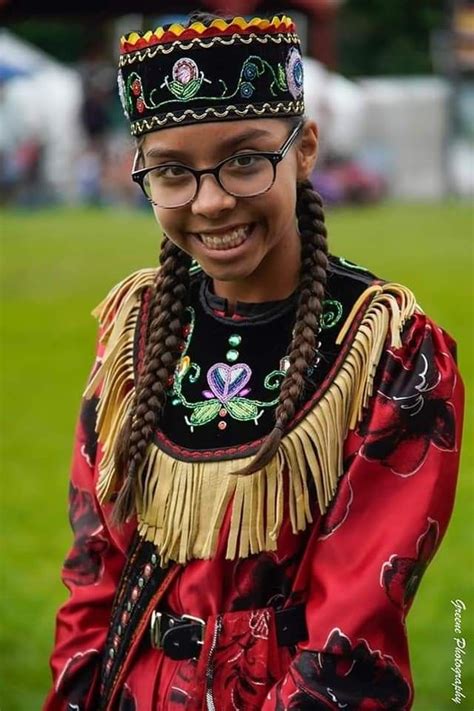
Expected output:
(93, 567)
(91, 572)
(389, 516)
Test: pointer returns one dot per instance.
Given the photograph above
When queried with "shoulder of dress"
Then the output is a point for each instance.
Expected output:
(122, 296)
(347, 280)
(366, 296)
(113, 379)
(343, 267)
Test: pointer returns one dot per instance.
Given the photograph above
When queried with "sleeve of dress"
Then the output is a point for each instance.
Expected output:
(388, 517)
(90, 572)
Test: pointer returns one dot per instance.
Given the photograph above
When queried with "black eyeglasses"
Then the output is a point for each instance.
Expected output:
(243, 175)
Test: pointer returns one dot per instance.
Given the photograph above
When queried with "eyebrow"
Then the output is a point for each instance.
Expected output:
(227, 145)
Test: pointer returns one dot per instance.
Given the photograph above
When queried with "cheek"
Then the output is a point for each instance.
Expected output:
(173, 225)
(283, 203)
(169, 221)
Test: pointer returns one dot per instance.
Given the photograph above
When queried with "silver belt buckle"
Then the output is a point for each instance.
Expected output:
(201, 622)
(155, 629)
(156, 636)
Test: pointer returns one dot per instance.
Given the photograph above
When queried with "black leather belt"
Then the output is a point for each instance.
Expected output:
(182, 637)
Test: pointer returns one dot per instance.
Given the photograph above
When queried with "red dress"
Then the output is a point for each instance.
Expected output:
(356, 566)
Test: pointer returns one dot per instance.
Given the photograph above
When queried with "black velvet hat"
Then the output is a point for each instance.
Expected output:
(227, 70)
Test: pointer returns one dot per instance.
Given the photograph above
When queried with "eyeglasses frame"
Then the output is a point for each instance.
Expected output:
(275, 157)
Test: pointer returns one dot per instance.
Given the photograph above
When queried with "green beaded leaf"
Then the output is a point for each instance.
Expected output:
(204, 412)
(184, 92)
(281, 78)
(242, 409)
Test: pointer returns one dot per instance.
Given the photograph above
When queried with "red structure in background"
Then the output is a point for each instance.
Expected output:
(321, 16)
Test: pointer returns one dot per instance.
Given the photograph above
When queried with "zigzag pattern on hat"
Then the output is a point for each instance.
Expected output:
(218, 27)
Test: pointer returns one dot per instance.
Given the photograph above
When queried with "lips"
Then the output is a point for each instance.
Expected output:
(229, 238)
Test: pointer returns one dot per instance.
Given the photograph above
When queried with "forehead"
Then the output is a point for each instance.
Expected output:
(210, 140)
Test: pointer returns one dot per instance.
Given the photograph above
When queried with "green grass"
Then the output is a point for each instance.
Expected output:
(56, 266)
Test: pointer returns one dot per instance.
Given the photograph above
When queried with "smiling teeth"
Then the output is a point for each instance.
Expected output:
(227, 241)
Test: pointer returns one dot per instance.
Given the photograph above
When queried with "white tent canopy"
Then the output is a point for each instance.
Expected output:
(44, 104)
(337, 105)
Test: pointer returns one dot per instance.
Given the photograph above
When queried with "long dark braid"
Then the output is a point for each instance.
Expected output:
(168, 302)
(163, 349)
(165, 341)
(314, 263)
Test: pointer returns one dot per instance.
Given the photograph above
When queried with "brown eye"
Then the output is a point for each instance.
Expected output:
(170, 171)
(243, 161)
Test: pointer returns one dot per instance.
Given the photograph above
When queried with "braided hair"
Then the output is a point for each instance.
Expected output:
(169, 298)
(302, 349)
(164, 345)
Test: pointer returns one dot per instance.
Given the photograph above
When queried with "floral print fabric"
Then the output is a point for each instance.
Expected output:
(357, 569)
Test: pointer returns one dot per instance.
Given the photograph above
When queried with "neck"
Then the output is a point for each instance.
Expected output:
(276, 277)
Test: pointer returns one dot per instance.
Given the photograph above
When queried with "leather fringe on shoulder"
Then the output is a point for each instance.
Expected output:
(180, 504)
(117, 315)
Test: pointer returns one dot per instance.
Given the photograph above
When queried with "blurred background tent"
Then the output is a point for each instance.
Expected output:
(390, 86)
(39, 122)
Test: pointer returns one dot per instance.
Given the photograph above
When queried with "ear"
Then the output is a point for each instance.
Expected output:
(307, 150)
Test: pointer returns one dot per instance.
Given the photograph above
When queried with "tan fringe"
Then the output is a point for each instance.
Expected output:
(115, 373)
(181, 505)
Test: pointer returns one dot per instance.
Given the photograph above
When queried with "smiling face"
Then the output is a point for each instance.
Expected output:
(249, 246)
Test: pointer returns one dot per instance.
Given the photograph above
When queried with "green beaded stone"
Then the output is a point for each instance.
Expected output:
(235, 340)
(232, 356)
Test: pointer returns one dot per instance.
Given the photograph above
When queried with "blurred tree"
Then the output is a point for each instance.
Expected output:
(61, 38)
(378, 37)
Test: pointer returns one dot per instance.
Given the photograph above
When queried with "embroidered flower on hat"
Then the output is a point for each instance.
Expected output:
(246, 90)
(250, 70)
(294, 73)
(185, 70)
(186, 79)
(137, 87)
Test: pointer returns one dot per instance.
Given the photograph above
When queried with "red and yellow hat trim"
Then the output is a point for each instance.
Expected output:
(219, 27)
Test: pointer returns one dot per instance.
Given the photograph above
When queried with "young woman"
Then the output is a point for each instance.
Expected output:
(266, 454)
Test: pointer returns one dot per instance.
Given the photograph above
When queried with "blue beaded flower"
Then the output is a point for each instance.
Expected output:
(250, 71)
(246, 90)
(294, 73)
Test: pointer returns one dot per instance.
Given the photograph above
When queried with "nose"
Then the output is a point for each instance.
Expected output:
(211, 200)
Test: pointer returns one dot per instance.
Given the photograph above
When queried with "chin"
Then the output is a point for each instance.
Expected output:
(229, 272)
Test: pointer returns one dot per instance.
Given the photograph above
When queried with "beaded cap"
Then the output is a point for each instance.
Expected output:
(225, 70)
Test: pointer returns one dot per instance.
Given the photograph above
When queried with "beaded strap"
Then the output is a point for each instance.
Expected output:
(141, 577)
